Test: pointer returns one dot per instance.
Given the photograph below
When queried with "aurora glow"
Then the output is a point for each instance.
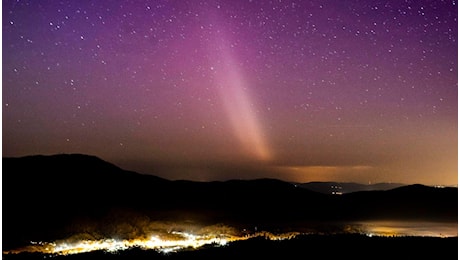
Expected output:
(346, 91)
(237, 101)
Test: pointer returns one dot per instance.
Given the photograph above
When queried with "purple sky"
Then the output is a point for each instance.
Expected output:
(362, 91)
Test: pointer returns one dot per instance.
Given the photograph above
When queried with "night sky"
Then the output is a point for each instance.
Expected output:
(362, 91)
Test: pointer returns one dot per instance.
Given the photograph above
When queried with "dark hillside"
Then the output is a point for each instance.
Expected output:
(45, 197)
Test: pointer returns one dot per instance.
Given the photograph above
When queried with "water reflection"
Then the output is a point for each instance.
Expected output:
(406, 228)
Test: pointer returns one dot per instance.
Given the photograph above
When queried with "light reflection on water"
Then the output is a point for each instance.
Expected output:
(406, 228)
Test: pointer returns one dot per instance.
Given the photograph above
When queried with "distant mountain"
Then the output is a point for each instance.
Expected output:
(338, 188)
(45, 197)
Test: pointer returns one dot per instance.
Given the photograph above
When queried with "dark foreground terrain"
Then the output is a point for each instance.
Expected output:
(303, 247)
(46, 198)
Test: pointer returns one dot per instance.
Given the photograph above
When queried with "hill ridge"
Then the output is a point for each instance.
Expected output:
(39, 206)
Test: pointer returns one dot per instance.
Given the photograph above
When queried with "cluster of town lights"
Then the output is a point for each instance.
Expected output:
(180, 240)
(172, 240)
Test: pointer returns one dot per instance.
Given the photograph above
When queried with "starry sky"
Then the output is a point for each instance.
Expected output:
(362, 91)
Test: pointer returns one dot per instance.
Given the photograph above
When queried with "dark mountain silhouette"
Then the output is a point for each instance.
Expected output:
(411, 202)
(347, 187)
(48, 197)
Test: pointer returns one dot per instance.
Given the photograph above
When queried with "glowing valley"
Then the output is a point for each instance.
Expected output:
(176, 237)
